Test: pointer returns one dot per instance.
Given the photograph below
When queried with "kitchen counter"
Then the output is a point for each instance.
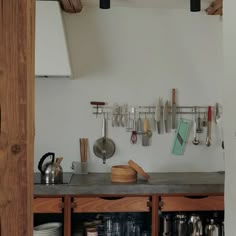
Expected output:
(159, 183)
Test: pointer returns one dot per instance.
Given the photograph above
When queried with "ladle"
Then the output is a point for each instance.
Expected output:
(104, 147)
(195, 137)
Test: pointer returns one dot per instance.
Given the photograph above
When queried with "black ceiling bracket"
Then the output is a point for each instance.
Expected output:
(104, 4)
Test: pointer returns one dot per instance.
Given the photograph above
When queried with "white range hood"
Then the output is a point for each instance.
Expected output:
(51, 54)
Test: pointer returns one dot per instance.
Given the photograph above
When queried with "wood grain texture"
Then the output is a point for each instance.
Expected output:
(155, 216)
(17, 116)
(47, 205)
(67, 216)
(126, 204)
(211, 203)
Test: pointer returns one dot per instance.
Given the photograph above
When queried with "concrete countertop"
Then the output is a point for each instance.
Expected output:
(159, 183)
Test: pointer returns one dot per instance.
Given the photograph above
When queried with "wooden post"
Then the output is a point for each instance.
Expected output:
(17, 116)
(67, 216)
(155, 221)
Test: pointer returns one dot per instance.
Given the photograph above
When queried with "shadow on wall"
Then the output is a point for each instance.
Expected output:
(87, 47)
(126, 43)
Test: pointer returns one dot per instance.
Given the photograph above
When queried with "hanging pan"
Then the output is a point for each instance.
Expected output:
(104, 147)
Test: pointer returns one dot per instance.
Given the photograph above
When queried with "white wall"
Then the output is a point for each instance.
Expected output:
(228, 86)
(132, 55)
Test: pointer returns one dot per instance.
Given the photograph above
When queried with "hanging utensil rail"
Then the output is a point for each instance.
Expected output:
(146, 110)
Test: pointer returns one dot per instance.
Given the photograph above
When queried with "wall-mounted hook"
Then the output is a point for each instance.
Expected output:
(97, 104)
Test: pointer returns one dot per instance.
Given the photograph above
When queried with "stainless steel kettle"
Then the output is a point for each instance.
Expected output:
(213, 229)
(51, 172)
(167, 225)
(195, 225)
(180, 227)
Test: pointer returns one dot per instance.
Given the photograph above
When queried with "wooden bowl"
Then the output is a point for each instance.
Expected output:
(133, 165)
(123, 174)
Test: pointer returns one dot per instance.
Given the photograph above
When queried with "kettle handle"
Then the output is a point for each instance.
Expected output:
(43, 159)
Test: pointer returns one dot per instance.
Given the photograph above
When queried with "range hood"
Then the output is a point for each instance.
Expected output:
(51, 54)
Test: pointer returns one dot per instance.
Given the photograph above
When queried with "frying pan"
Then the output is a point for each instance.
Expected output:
(104, 147)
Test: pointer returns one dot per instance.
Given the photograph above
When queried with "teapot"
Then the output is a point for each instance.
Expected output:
(51, 172)
(195, 225)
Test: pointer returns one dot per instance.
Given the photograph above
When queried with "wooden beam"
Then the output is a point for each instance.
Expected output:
(67, 216)
(155, 217)
(17, 116)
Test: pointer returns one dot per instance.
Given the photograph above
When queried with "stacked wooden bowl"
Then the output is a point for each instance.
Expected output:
(127, 173)
(123, 174)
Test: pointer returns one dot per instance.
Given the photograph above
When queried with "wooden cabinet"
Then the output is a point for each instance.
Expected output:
(66, 205)
(47, 205)
(191, 203)
(52, 206)
(111, 204)
(204, 206)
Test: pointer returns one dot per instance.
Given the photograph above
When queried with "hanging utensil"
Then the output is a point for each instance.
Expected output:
(166, 116)
(145, 138)
(125, 115)
(149, 130)
(199, 124)
(209, 118)
(115, 115)
(195, 136)
(161, 116)
(174, 108)
(104, 147)
(219, 122)
(139, 125)
(133, 137)
(158, 114)
(119, 116)
(204, 121)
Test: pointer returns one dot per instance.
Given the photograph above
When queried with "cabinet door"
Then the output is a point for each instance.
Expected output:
(120, 204)
(190, 203)
(47, 205)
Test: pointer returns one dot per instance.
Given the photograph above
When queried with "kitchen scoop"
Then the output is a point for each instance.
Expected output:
(104, 147)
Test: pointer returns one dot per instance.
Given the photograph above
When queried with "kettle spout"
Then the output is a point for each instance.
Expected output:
(59, 160)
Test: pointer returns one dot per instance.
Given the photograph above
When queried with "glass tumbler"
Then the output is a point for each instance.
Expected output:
(108, 224)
